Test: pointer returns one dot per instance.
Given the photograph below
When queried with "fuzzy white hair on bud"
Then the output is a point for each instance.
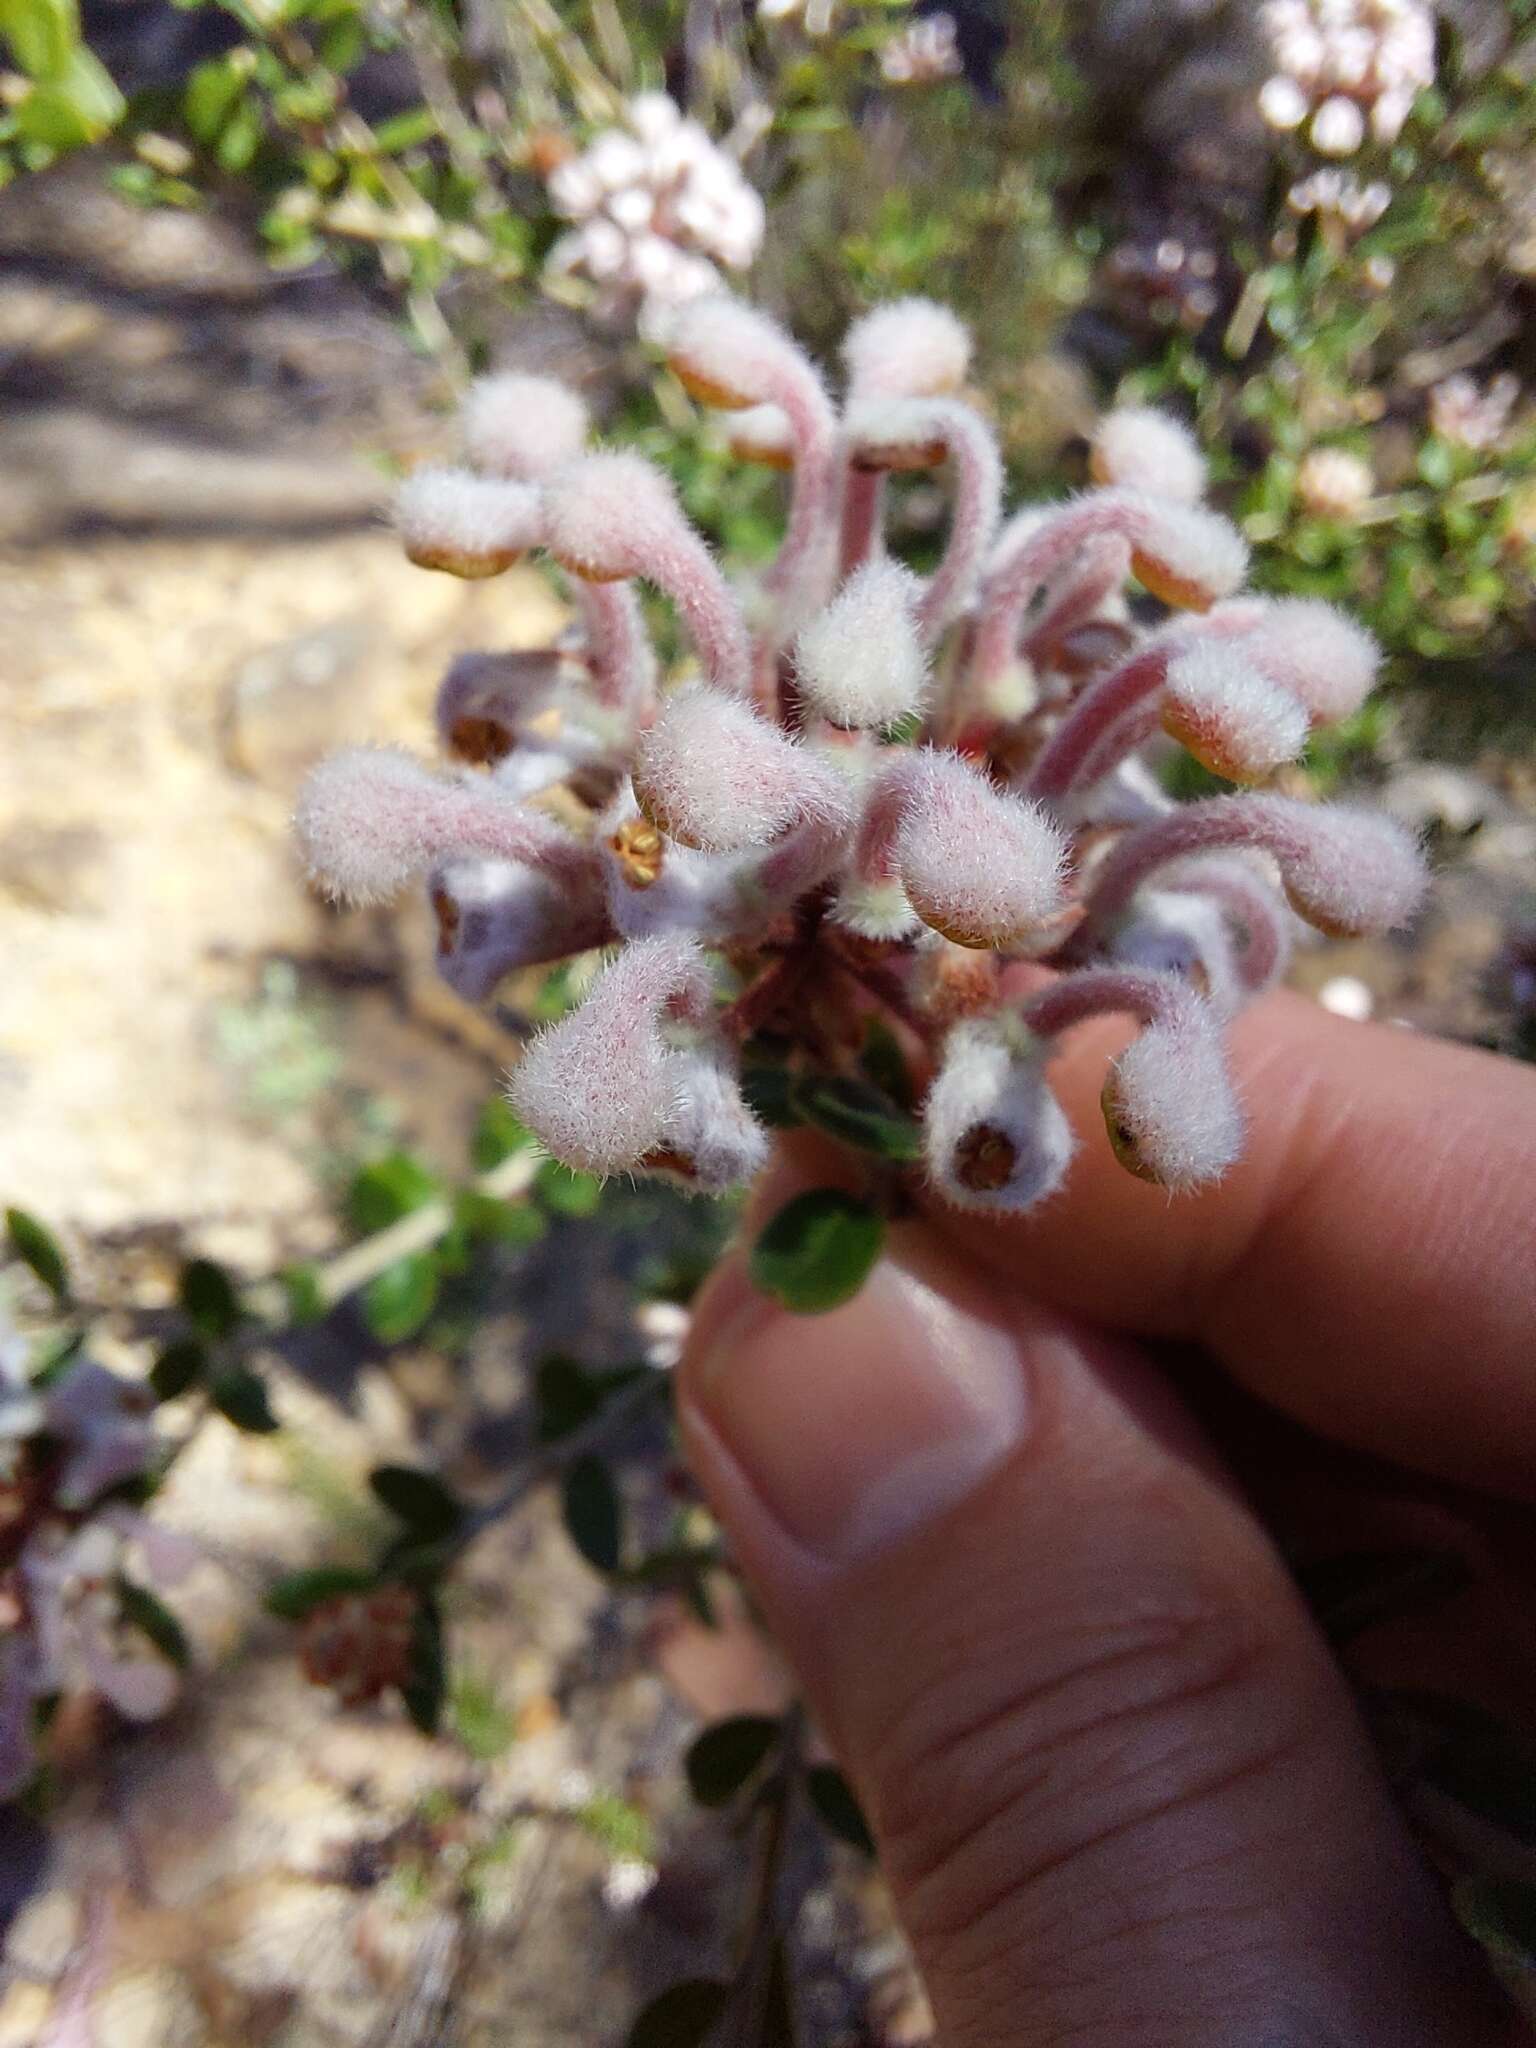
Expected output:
(1229, 715)
(467, 525)
(1318, 653)
(983, 868)
(860, 662)
(611, 515)
(712, 774)
(760, 433)
(515, 425)
(995, 1136)
(370, 819)
(718, 1142)
(729, 354)
(1146, 450)
(1183, 554)
(1168, 1103)
(598, 1087)
(908, 348)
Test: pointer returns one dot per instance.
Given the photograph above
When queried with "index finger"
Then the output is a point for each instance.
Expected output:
(1370, 1264)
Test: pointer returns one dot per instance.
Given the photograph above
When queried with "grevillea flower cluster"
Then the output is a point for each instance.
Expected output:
(880, 804)
(657, 210)
(69, 1450)
(1346, 67)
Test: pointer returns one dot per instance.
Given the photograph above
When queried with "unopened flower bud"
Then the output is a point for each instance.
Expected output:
(494, 917)
(761, 433)
(909, 348)
(995, 1136)
(1318, 653)
(470, 526)
(860, 662)
(484, 699)
(1168, 1103)
(1332, 483)
(1146, 450)
(727, 354)
(715, 1144)
(371, 818)
(1230, 716)
(983, 868)
(523, 426)
(711, 773)
(597, 1087)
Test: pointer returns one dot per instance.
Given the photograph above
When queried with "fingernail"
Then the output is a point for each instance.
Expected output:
(855, 1427)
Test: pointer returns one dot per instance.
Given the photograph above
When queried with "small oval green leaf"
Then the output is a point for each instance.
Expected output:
(682, 2017)
(420, 1500)
(299, 1593)
(839, 1812)
(240, 1395)
(857, 1113)
(36, 1246)
(817, 1251)
(146, 1612)
(594, 1513)
(179, 1367)
(398, 1301)
(208, 1298)
(721, 1760)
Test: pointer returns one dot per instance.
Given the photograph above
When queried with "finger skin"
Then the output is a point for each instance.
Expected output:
(1369, 1265)
(1119, 1788)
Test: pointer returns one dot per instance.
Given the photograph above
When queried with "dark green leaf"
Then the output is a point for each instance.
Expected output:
(241, 1397)
(1463, 1752)
(568, 1394)
(840, 1813)
(1500, 1912)
(421, 1501)
(1358, 1589)
(566, 1192)
(816, 1252)
(36, 1246)
(857, 1113)
(721, 1760)
(388, 1189)
(208, 1298)
(682, 2017)
(417, 1560)
(594, 1513)
(299, 1593)
(768, 1088)
(884, 1063)
(514, 1224)
(180, 1365)
(144, 1611)
(498, 1134)
(398, 1301)
(241, 138)
(427, 1688)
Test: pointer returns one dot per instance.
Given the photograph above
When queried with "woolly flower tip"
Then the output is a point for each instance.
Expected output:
(468, 525)
(717, 1142)
(522, 426)
(1349, 872)
(493, 916)
(911, 348)
(727, 353)
(610, 515)
(1318, 652)
(983, 868)
(1234, 720)
(860, 662)
(1168, 1103)
(995, 1136)
(359, 822)
(898, 433)
(1146, 450)
(1183, 554)
(597, 1086)
(711, 773)
(761, 433)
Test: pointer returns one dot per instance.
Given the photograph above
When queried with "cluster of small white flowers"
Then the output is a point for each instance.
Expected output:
(64, 1542)
(1340, 195)
(922, 53)
(1472, 416)
(658, 210)
(885, 801)
(1346, 67)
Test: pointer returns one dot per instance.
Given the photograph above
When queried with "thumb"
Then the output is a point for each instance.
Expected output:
(1117, 1784)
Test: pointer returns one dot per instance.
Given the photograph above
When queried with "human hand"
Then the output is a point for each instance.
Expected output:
(1118, 1783)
